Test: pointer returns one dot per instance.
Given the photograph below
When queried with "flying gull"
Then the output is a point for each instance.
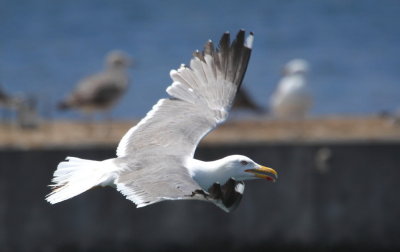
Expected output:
(155, 159)
(292, 98)
(101, 91)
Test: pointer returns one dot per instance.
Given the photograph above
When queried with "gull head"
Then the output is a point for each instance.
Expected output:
(243, 168)
(118, 59)
(296, 66)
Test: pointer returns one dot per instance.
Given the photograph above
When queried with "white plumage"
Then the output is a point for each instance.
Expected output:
(292, 98)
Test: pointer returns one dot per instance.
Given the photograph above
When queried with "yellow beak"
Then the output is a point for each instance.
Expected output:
(264, 173)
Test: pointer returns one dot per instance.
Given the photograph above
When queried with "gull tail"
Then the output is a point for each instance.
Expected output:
(77, 175)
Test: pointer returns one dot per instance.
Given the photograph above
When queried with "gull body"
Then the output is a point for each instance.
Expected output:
(292, 98)
(155, 159)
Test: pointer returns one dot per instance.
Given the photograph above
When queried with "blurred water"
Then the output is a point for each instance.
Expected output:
(353, 47)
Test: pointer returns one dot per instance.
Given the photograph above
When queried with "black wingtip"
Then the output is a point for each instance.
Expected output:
(231, 197)
(199, 55)
(239, 40)
(209, 47)
(230, 58)
(228, 195)
(240, 33)
(234, 58)
(224, 42)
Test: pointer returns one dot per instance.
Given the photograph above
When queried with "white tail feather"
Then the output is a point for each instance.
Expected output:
(76, 176)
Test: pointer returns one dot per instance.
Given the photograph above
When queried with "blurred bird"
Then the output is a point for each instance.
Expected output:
(156, 157)
(27, 115)
(101, 91)
(24, 107)
(292, 98)
(6, 100)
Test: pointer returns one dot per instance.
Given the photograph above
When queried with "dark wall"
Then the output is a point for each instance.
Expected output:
(332, 195)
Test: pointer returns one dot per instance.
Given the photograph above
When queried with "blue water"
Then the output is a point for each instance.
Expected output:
(353, 47)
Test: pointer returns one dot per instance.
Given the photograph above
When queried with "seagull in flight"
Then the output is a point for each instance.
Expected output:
(155, 159)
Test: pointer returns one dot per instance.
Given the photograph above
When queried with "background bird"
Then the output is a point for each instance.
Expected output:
(156, 157)
(9, 103)
(101, 91)
(292, 98)
(6, 100)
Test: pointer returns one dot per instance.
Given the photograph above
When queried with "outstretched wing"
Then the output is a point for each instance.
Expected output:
(155, 150)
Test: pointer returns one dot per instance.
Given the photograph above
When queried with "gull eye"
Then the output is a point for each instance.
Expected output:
(243, 162)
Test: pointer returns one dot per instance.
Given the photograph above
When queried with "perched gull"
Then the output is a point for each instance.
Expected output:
(6, 100)
(9, 102)
(155, 158)
(292, 98)
(101, 91)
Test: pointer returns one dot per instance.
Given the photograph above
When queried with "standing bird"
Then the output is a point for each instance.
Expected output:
(8, 103)
(292, 98)
(101, 91)
(6, 100)
(156, 157)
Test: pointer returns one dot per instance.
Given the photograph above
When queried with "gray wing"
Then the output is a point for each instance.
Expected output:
(154, 152)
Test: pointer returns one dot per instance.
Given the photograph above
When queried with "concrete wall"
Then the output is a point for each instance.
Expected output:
(347, 199)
